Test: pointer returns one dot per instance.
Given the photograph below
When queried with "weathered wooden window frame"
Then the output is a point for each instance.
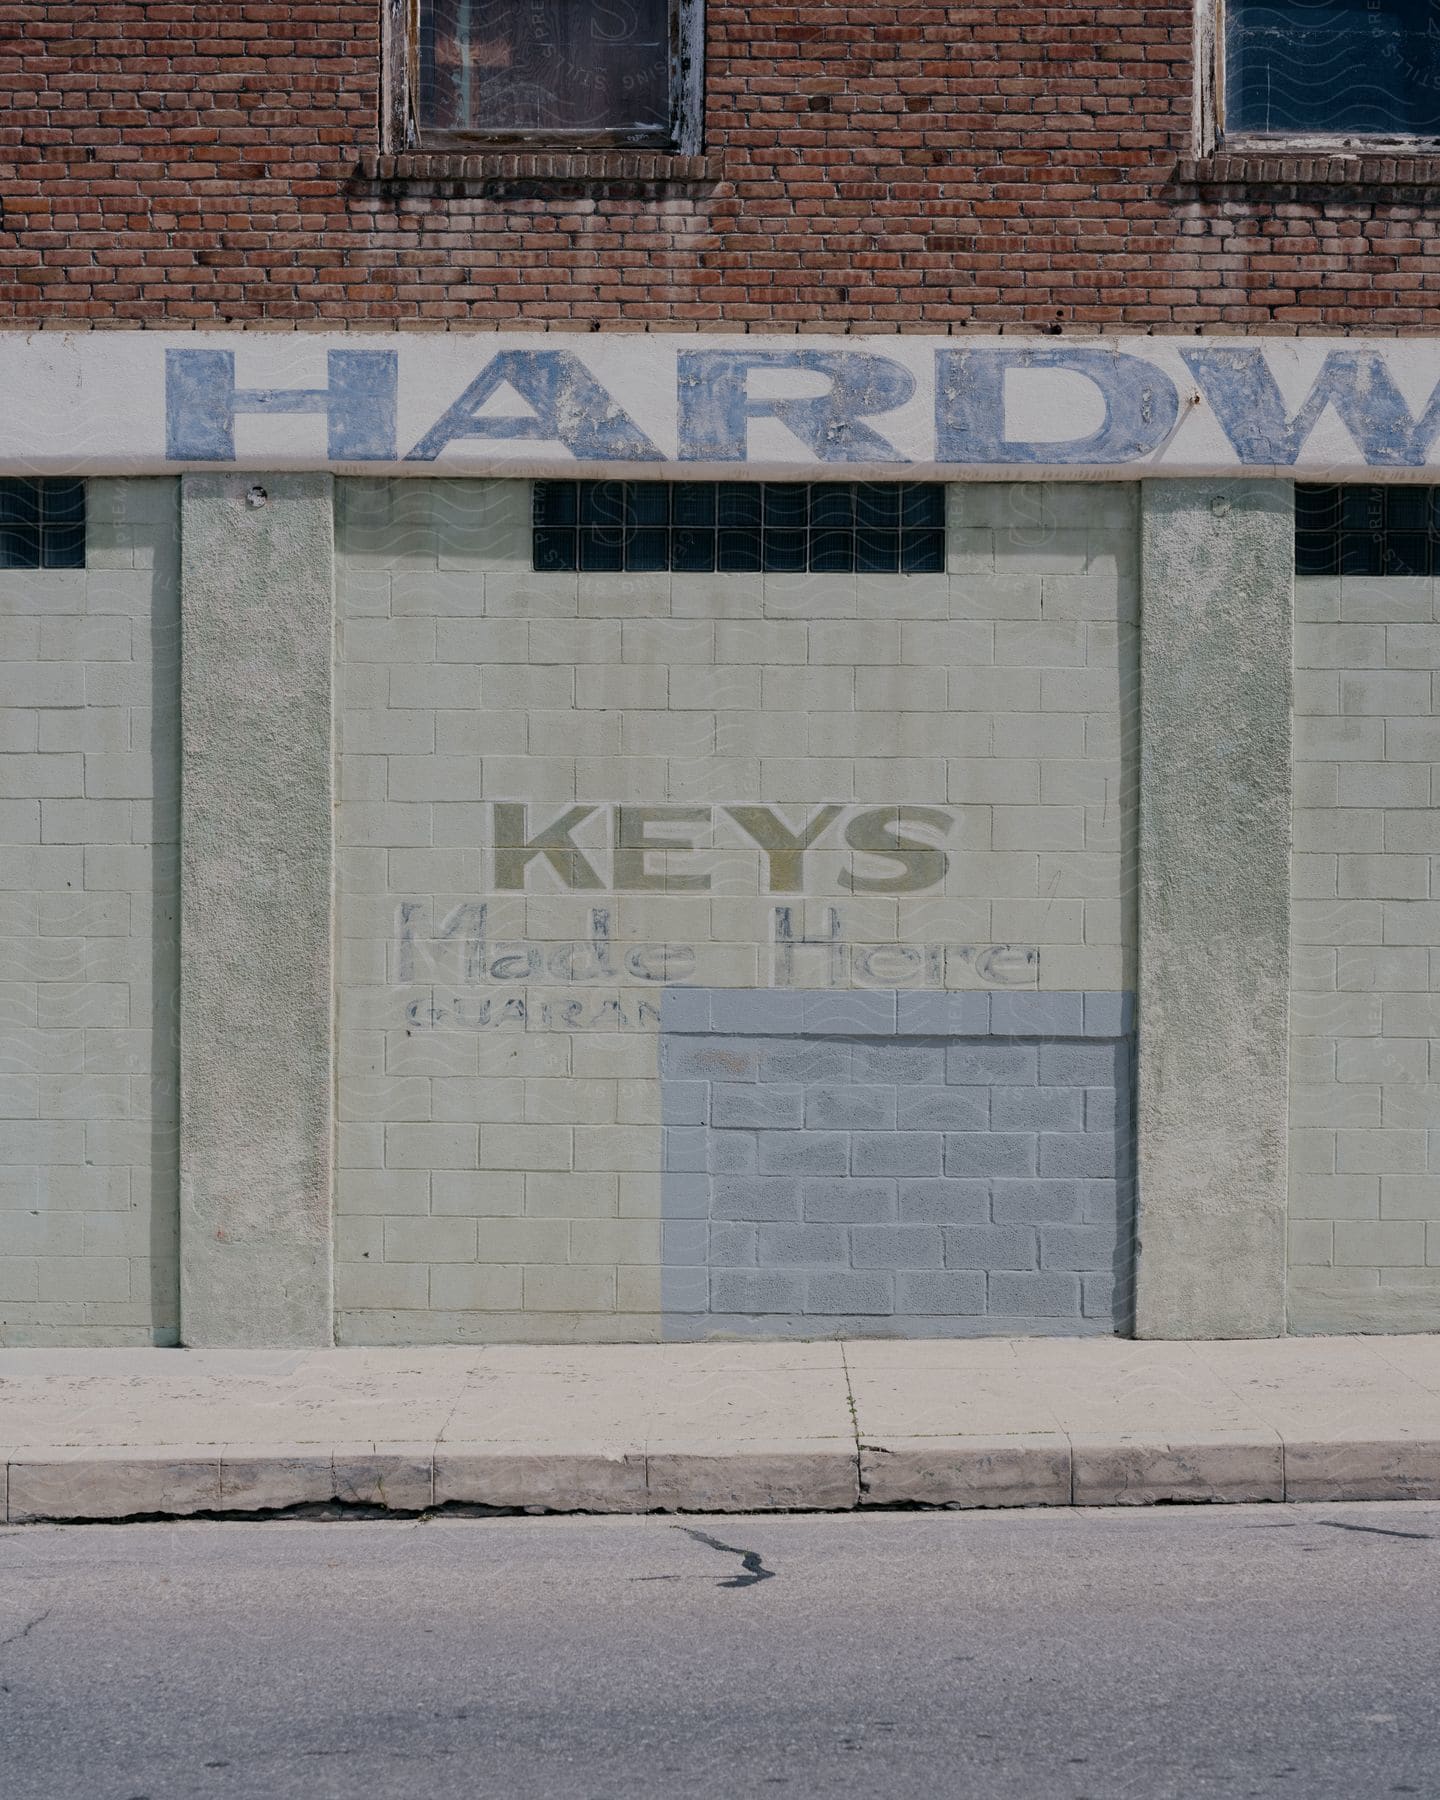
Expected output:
(1209, 110)
(400, 127)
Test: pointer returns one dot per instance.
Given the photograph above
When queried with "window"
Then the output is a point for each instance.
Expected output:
(552, 72)
(42, 524)
(1305, 69)
(741, 526)
(1367, 531)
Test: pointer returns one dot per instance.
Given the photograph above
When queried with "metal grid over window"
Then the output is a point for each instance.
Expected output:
(42, 524)
(895, 528)
(1367, 530)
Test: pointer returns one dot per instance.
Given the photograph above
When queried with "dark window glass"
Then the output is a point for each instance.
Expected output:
(692, 551)
(923, 504)
(693, 503)
(546, 68)
(738, 552)
(833, 505)
(1367, 530)
(648, 503)
(785, 552)
(878, 551)
(602, 503)
(42, 524)
(832, 552)
(786, 506)
(878, 507)
(602, 549)
(1370, 67)
(740, 527)
(921, 552)
(555, 551)
(556, 502)
(647, 551)
(741, 504)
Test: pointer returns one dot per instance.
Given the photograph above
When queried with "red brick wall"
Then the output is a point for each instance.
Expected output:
(917, 166)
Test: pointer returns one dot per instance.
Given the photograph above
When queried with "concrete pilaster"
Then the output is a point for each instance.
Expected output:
(256, 916)
(1214, 849)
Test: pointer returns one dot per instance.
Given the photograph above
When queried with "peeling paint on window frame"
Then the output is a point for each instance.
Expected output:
(400, 128)
(1211, 136)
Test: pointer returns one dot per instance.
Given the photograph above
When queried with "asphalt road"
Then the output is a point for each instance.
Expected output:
(1245, 1651)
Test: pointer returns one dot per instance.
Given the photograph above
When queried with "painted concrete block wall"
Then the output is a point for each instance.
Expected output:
(88, 776)
(500, 1147)
(1364, 1251)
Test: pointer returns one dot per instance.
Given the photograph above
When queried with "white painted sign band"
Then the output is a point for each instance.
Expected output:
(670, 407)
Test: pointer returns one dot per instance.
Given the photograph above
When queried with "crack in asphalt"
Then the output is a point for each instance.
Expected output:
(1424, 1537)
(20, 1636)
(753, 1568)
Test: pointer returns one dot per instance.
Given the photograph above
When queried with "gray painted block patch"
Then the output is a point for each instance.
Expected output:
(850, 1291)
(895, 1164)
(807, 1245)
(944, 1202)
(975, 1153)
(944, 1109)
(1035, 1202)
(736, 1105)
(896, 1152)
(989, 1065)
(991, 1247)
(851, 1107)
(849, 1201)
(752, 1200)
(897, 1247)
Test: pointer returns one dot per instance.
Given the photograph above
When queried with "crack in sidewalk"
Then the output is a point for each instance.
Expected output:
(854, 1426)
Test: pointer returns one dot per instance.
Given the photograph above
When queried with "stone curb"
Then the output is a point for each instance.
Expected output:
(66, 1484)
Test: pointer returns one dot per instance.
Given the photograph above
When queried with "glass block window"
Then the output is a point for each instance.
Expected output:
(42, 524)
(1367, 530)
(741, 527)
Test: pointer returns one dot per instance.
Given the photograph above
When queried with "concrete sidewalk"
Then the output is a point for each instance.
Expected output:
(107, 1434)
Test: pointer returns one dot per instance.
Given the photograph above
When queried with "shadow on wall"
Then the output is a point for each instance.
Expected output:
(143, 527)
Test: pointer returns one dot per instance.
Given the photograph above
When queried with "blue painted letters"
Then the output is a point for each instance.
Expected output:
(1141, 406)
(570, 408)
(716, 405)
(201, 401)
(1252, 414)
(557, 400)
